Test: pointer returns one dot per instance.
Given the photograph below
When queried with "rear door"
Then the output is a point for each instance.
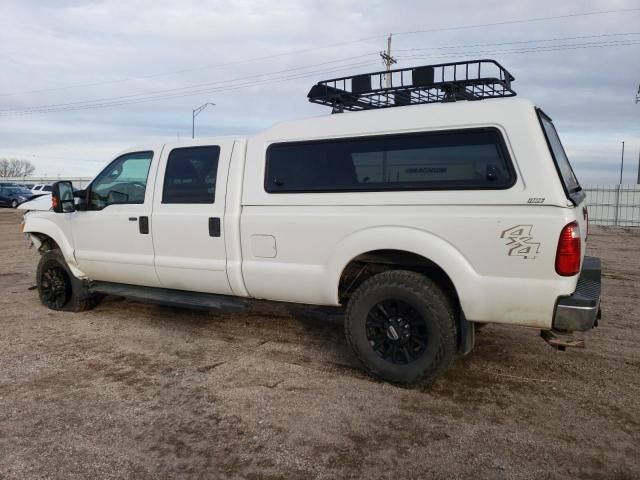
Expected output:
(187, 221)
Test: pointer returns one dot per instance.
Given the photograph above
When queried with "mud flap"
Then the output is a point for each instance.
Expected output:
(466, 335)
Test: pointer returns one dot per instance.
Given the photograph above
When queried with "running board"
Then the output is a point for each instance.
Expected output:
(174, 298)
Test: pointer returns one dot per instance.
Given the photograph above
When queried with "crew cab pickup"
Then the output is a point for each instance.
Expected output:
(420, 221)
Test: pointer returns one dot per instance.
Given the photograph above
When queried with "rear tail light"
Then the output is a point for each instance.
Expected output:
(568, 255)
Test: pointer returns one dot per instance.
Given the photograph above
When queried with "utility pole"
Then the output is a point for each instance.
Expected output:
(619, 189)
(638, 182)
(388, 61)
(621, 163)
(638, 95)
(195, 113)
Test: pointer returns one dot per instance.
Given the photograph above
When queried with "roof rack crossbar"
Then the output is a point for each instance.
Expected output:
(444, 82)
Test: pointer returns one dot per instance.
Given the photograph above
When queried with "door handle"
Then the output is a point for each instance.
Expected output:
(143, 225)
(214, 226)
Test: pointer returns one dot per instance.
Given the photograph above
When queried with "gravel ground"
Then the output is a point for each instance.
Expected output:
(139, 391)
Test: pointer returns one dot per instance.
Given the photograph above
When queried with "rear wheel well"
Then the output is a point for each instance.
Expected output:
(371, 263)
(368, 264)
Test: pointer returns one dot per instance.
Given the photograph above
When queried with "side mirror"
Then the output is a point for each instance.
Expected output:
(62, 197)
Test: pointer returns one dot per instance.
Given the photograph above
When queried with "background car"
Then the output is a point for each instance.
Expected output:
(14, 196)
(41, 188)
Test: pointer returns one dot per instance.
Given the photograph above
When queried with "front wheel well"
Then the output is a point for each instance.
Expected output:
(46, 242)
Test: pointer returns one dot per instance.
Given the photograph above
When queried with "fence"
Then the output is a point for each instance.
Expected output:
(78, 182)
(614, 205)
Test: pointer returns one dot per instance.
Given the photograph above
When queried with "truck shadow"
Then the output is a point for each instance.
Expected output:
(313, 337)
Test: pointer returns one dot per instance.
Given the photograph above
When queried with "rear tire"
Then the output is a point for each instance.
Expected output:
(401, 327)
(59, 289)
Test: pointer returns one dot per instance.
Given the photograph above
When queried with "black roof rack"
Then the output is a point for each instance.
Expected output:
(445, 82)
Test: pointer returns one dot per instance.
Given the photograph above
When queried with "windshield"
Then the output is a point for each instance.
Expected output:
(564, 167)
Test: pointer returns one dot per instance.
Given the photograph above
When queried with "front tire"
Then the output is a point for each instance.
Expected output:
(58, 288)
(401, 327)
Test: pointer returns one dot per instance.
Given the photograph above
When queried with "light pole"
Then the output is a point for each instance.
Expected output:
(619, 190)
(621, 163)
(195, 113)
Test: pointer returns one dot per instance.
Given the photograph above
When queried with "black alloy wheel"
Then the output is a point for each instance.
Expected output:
(58, 288)
(396, 331)
(55, 287)
(401, 326)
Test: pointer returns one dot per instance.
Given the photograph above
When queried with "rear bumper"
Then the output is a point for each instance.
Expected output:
(581, 310)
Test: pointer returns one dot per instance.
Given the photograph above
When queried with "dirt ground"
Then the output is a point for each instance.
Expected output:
(140, 391)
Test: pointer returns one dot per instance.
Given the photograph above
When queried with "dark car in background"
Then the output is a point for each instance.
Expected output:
(11, 196)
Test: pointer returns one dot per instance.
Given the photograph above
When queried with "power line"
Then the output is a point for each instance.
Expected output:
(186, 70)
(205, 87)
(189, 87)
(310, 49)
(525, 20)
(186, 94)
(518, 42)
(208, 88)
(549, 48)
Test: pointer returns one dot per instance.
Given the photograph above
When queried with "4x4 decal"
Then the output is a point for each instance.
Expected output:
(519, 240)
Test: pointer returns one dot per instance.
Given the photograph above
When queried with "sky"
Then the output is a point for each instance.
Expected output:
(77, 76)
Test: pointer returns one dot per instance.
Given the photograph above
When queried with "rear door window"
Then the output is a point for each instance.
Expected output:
(190, 176)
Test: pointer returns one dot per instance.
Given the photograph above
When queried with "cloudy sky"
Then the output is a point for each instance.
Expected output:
(82, 80)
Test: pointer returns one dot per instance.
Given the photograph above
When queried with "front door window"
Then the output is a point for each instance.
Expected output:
(124, 181)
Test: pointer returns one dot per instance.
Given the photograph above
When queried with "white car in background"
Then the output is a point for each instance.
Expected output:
(41, 188)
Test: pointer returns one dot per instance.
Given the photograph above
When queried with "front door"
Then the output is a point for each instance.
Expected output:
(188, 214)
(112, 239)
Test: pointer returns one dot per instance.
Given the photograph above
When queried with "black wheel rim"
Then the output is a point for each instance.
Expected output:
(396, 331)
(54, 287)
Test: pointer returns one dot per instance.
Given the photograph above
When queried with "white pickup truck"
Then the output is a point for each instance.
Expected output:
(420, 220)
